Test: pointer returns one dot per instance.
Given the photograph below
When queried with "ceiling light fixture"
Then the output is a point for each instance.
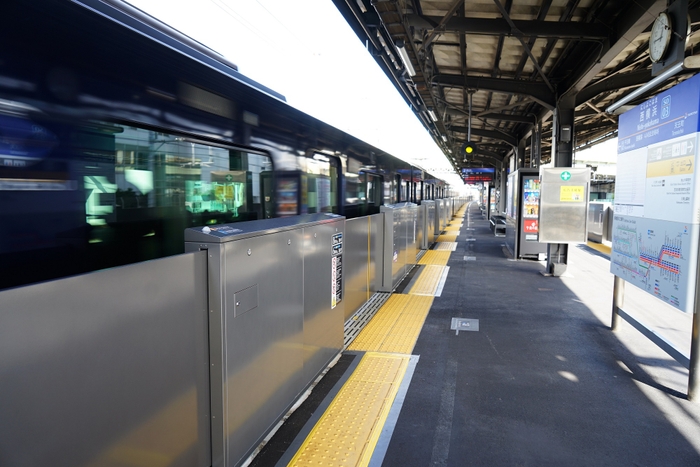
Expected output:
(401, 47)
(432, 115)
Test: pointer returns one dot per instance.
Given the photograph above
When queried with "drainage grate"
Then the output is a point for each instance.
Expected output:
(357, 322)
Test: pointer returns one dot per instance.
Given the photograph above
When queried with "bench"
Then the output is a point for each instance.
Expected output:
(498, 226)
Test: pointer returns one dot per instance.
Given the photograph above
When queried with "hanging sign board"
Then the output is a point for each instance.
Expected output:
(657, 200)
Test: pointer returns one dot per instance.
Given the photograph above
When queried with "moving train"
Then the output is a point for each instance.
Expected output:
(117, 132)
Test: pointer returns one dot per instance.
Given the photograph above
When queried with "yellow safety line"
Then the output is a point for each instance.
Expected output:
(369, 256)
(605, 249)
(453, 228)
(428, 280)
(443, 246)
(435, 257)
(348, 431)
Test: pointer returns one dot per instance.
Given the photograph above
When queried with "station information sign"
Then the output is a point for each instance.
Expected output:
(477, 174)
(657, 199)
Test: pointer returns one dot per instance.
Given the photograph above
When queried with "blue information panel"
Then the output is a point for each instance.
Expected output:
(668, 115)
(656, 226)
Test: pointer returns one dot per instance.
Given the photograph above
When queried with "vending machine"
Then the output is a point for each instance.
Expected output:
(522, 213)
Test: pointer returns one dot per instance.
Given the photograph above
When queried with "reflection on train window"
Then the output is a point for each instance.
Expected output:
(322, 184)
(114, 194)
(374, 193)
(389, 197)
(157, 174)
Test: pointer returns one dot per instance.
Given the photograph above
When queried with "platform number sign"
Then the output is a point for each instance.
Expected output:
(336, 269)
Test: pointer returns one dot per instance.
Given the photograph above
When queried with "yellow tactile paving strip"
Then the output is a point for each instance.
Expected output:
(445, 246)
(605, 249)
(348, 431)
(435, 257)
(452, 228)
(448, 237)
(428, 281)
(396, 326)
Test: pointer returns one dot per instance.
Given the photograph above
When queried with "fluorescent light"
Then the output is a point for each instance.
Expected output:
(432, 115)
(362, 6)
(405, 58)
(444, 138)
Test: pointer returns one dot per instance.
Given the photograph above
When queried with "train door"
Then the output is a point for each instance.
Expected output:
(374, 192)
(322, 182)
(267, 195)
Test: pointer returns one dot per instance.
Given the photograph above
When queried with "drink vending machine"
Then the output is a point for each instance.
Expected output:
(522, 213)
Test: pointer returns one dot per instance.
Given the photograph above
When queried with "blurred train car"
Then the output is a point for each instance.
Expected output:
(118, 132)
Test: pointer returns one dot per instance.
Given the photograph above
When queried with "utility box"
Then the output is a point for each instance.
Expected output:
(564, 204)
(275, 320)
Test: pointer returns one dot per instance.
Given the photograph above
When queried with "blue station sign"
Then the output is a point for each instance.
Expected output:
(667, 115)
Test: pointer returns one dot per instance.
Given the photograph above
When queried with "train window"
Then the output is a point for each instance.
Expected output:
(374, 193)
(322, 184)
(389, 197)
(112, 195)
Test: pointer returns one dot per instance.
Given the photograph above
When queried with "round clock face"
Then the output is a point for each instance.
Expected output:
(660, 37)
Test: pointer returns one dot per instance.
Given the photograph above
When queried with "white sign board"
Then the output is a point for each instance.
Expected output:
(657, 200)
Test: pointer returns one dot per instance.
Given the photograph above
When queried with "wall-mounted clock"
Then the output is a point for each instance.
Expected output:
(660, 37)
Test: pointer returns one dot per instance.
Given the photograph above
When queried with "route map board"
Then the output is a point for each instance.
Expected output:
(657, 199)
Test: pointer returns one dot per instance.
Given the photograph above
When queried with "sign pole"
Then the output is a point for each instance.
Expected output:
(618, 301)
(693, 367)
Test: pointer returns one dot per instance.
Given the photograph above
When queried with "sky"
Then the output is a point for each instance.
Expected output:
(307, 52)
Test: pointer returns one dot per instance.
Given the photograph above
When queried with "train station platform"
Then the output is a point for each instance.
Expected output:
(533, 376)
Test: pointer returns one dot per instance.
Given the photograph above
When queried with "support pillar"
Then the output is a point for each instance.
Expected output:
(563, 154)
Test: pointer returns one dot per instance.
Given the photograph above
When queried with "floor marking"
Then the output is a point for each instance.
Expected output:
(348, 431)
(441, 285)
(441, 246)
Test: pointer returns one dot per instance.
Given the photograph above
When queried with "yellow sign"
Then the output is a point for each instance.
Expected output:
(668, 167)
(572, 194)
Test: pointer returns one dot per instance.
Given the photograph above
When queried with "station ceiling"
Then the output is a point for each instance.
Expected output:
(493, 71)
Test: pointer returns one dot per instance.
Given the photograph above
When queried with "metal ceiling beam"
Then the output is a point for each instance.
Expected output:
(485, 155)
(507, 117)
(527, 49)
(537, 91)
(486, 134)
(495, 27)
(637, 17)
(614, 83)
(439, 27)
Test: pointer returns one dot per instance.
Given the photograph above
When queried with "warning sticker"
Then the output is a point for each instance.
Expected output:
(573, 194)
(336, 269)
